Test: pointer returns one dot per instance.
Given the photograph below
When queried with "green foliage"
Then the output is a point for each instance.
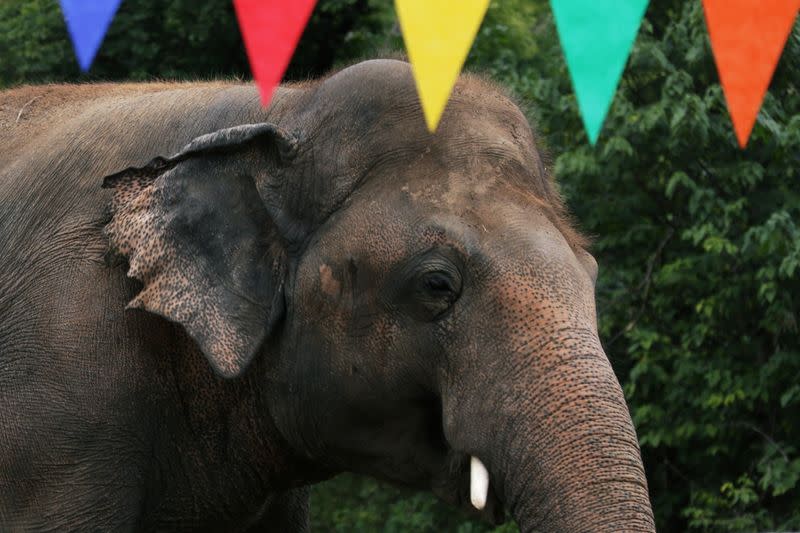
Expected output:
(33, 43)
(698, 241)
(350, 504)
(148, 39)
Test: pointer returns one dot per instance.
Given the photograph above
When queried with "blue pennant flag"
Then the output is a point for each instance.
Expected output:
(87, 22)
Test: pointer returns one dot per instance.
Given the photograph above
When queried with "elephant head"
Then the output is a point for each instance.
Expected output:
(422, 307)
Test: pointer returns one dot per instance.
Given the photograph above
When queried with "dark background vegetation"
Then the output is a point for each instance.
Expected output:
(698, 241)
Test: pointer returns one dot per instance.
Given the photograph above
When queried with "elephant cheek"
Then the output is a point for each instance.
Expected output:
(328, 284)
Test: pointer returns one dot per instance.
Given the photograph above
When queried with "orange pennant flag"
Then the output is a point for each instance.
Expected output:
(747, 38)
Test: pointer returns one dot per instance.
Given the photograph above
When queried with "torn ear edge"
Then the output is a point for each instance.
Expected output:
(227, 318)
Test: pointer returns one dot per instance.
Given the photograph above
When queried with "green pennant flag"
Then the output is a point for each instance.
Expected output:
(596, 36)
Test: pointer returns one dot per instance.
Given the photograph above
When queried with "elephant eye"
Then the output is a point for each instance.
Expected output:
(436, 293)
(426, 286)
(438, 282)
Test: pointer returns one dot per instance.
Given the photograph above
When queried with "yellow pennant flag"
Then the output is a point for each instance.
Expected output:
(438, 35)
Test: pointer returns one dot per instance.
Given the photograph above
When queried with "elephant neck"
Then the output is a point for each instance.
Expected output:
(219, 448)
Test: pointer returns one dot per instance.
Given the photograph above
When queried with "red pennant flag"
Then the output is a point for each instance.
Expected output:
(271, 30)
(747, 38)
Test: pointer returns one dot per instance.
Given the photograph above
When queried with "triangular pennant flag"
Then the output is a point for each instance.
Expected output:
(87, 23)
(438, 35)
(271, 30)
(596, 36)
(747, 37)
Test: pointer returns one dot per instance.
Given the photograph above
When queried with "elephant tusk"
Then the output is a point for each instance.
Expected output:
(478, 483)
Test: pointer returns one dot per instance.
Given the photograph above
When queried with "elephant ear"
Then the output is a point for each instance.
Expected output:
(198, 236)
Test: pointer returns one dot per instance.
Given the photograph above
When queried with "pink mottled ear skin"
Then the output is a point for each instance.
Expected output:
(174, 285)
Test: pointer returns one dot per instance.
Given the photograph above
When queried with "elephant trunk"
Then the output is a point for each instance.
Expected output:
(559, 443)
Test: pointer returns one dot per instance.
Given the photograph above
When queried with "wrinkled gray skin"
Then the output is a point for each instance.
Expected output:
(344, 292)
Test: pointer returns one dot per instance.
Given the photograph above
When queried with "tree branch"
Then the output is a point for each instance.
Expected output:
(644, 286)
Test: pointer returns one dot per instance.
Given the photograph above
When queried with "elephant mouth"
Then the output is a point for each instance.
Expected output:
(465, 483)
(459, 478)
(455, 476)
(421, 457)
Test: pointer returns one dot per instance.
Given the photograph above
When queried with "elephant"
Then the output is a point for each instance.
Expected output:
(208, 305)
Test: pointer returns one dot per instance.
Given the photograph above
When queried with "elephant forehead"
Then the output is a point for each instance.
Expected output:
(371, 226)
(447, 189)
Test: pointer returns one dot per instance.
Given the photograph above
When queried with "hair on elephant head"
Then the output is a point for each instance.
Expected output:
(424, 295)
